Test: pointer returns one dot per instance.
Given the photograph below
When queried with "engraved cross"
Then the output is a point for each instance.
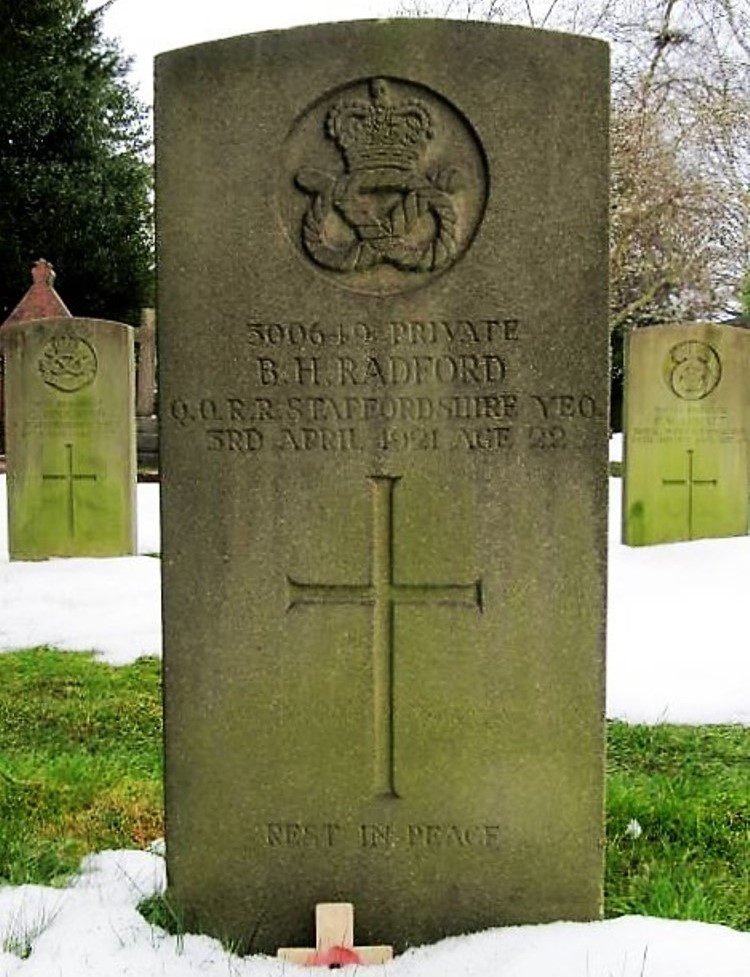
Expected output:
(71, 478)
(383, 594)
(690, 482)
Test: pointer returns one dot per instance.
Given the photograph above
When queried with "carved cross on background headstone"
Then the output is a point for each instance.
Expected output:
(690, 482)
(71, 477)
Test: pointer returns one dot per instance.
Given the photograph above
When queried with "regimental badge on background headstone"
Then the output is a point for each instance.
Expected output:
(67, 362)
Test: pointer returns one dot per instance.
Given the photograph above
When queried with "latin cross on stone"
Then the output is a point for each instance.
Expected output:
(690, 483)
(383, 593)
(334, 941)
(71, 477)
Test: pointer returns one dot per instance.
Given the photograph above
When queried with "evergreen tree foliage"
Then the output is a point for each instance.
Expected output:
(75, 185)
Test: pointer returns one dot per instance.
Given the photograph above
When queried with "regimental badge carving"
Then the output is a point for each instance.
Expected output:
(388, 185)
(67, 363)
(692, 370)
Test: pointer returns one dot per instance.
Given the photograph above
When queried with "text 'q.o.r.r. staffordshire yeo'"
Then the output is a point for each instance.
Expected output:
(384, 185)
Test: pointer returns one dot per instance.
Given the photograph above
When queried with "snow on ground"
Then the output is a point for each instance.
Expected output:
(92, 929)
(677, 652)
(111, 606)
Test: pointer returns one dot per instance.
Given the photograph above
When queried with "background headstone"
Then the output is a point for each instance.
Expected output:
(70, 438)
(687, 409)
(145, 387)
(40, 302)
(146, 422)
(383, 358)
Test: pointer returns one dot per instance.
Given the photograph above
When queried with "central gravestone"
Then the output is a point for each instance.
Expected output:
(383, 385)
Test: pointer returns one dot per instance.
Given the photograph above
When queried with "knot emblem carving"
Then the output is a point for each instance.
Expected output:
(67, 363)
(402, 189)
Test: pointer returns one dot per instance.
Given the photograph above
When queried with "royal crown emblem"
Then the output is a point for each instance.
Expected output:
(392, 207)
(380, 132)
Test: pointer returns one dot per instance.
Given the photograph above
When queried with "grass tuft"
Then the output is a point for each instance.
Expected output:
(21, 933)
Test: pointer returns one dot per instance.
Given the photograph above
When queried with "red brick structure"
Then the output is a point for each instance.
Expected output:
(41, 301)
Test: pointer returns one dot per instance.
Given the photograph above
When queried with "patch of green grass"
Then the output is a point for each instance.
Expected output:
(81, 770)
(80, 761)
(159, 911)
(688, 789)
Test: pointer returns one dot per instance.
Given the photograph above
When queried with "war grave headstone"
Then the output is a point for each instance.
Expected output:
(70, 432)
(383, 384)
(687, 408)
(40, 302)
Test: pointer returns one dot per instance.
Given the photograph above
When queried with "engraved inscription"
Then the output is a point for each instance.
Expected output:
(397, 332)
(383, 836)
(565, 406)
(402, 386)
(689, 483)
(383, 371)
(545, 438)
(692, 370)
(377, 835)
(67, 363)
(70, 477)
(453, 835)
(298, 834)
(387, 185)
(554, 411)
(692, 423)
(384, 594)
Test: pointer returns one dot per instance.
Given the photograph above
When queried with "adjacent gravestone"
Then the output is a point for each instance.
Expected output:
(145, 386)
(70, 438)
(687, 408)
(383, 384)
(40, 302)
(146, 422)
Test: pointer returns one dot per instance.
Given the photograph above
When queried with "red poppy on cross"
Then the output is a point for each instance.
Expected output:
(334, 939)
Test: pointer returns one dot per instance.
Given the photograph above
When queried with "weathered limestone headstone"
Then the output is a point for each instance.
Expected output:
(383, 383)
(687, 411)
(70, 438)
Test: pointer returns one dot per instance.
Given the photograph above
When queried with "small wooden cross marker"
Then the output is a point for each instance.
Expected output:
(334, 938)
